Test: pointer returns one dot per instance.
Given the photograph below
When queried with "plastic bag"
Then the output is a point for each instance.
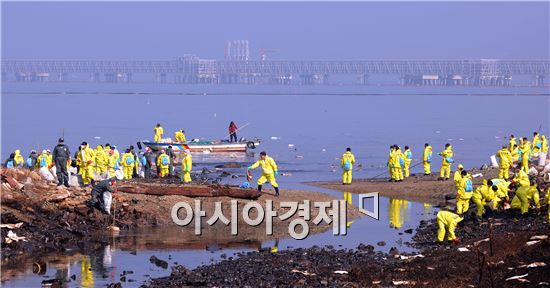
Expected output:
(107, 201)
(119, 174)
(46, 174)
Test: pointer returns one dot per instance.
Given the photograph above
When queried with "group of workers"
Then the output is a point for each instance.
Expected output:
(103, 162)
(496, 193)
(399, 163)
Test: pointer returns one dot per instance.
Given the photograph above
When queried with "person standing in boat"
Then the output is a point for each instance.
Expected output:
(233, 132)
(158, 133)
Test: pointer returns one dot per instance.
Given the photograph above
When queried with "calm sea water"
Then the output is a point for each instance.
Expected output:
(306, 129)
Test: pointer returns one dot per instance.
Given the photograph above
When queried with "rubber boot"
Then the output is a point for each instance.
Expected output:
(259, 188)
(277, 191)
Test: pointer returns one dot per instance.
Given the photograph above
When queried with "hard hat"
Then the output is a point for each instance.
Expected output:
(460, 166)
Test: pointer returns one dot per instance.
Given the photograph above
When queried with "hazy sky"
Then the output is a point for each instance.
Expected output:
(64, 30)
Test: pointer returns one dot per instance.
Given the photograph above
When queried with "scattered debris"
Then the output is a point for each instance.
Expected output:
(405, 257)
(533, 265)
(463, 249)
(516, 277)
(530, 243)
(12, 237)
(11, 226)
(539, 237)
(341, 272)
(302, 272)
(405, 282)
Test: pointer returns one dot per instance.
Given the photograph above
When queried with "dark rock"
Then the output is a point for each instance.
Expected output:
(158, 262)
(381, 243)
(409, 231)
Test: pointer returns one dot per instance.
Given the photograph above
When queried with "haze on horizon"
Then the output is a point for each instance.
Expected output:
(306, 30)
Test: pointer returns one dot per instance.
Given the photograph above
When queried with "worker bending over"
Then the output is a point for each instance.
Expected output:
(447, 222)
(523, 195)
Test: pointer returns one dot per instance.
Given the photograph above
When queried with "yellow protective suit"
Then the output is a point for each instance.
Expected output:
(43, 161)
(408, 159)
(522, 178)
(127, 162)
(548, 203)
(544, 144)
(158, 133)
(390, 165)
(535, 144)
(186, 167)
(514, 152)
(512, 142)
(502, 191)
(482, 196)
(457, 177)
(400, 158)
(179, 137)
(446, 165)
(523, 195)
(50, 160)
(427, 159)
(113, 162)
(269, 169)
(163, 162)
(101, 160)
(18, 160)
(505, 161)
(463, 197)
(347, 174)
(87, 165)
(525, 148)
(446, 222)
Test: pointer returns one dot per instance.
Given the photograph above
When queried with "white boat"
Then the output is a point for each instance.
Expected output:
(219, 146)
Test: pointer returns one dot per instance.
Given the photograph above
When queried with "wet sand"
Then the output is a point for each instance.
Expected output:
(418, 188)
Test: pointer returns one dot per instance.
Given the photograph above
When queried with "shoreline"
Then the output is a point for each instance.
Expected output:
(418, 187)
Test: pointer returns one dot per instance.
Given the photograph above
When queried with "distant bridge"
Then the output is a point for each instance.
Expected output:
(191, 69)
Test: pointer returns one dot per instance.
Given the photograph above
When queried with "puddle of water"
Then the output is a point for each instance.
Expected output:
(131, 251)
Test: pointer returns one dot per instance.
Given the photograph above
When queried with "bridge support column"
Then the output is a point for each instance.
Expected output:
(539, 80)
(364, 79)
(161, 78)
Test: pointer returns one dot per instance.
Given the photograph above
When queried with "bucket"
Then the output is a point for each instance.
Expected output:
(542, 158)
(494, 162)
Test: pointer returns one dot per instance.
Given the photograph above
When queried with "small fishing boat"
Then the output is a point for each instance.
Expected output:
(196, 146)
